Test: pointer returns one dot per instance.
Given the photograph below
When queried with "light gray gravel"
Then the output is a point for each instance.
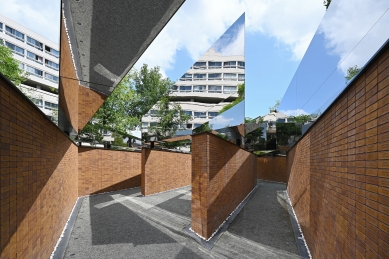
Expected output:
(124, 224)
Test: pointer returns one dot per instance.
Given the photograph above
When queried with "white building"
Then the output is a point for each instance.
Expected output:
(209, 85)
(39, 57)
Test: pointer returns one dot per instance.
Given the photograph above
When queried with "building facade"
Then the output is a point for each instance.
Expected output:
(210, 84)
(39, 58)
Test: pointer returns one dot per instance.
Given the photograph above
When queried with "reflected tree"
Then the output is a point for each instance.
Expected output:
(236, 101)
(351, 72)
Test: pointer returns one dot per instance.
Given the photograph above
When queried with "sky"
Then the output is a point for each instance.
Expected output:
(277, 34)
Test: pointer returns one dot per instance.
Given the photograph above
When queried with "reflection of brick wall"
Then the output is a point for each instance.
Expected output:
(89, 102)
(339, 171)
(101, 170)
(222, 176)
(272, 168)
(38, 183)
(163, 171)
(68, 84)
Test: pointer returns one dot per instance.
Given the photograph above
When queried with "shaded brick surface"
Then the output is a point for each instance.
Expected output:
(222, 176)
(38, 184)
(272, 169)
(338, 173)
(101, 170)
(163, 171)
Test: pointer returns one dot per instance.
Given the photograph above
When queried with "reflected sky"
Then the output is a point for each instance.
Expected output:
(231, 117)
(349, 35)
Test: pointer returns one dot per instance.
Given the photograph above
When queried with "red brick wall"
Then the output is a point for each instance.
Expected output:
(163, 171)
(38, 181)
(272, 168)
(222, 176)
(89, 102)
(101, 170)
(338, 174)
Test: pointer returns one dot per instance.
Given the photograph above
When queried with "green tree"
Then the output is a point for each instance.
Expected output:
(9, 66)
(351, 72)
(138, 92)
(241, 90)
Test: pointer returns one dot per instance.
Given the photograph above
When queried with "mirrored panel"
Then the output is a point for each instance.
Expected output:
(347, 38)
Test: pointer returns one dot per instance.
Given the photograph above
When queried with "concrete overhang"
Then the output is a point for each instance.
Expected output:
(108, 37)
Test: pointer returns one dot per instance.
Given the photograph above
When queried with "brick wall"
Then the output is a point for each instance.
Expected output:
(89, 102)
(338, 173)
(222, 176)
(272, 168)
(163, 171)
(101, 170)
(38, 184)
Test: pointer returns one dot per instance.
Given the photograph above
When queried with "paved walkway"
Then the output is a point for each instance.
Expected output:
(124, 224)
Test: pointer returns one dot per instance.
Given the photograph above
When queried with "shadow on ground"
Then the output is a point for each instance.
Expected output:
(124, 224)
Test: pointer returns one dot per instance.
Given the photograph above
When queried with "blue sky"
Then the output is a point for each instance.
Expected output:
(278, 33)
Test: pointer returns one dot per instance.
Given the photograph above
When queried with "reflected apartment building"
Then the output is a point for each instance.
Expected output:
(210, 84)
(38, 57)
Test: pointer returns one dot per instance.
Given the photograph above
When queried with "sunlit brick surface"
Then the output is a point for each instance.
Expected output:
(38, 183)
(272, 168)
(339, 172)
(222, 176)
(163, 171)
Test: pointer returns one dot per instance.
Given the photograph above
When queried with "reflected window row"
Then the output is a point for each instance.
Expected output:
(213, 76)
(146, 125)
(32, 56)
(28, 40)
(205, 89)
(38, 73)
(47, 105)
(218, 64)
(192, 114)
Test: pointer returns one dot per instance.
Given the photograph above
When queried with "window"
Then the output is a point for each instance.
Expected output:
(241, 77)
(15, 49)
(186, 77)
(229, 89)
(189, 126)
(14, 33)
(34, 71)
(241, 64)
(34, 43)
(1, 26)
(229, 76)
(38, 102)
(198, 65)
(217, 76)
(196, 125)
(153, 124)
(174, 88)
(145, 124)
(188, 113)
(212, 114)
(153, 113)
(199, 76)
(199, 88)
(200, 115)
(51, 106)
(21, 66)
(214, 89)
(34, 57)
(229, 64)
(51, 77)
(52, 51)
(212, 65)
(51, 64)
(185, 88)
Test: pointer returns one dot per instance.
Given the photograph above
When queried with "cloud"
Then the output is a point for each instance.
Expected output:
(220, 120)
(199, 23)
(343, 28)
(294, 112)
(40, 16)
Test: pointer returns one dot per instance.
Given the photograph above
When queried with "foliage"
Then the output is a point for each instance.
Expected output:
(175, 144)
(138, 92)
(223, 136)
(203, 128)
(241, 89)
(9, 66)
(327, 3)
(274, 108)
(351, 72)
(118, 140)
(286, 130)
(302, 118)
